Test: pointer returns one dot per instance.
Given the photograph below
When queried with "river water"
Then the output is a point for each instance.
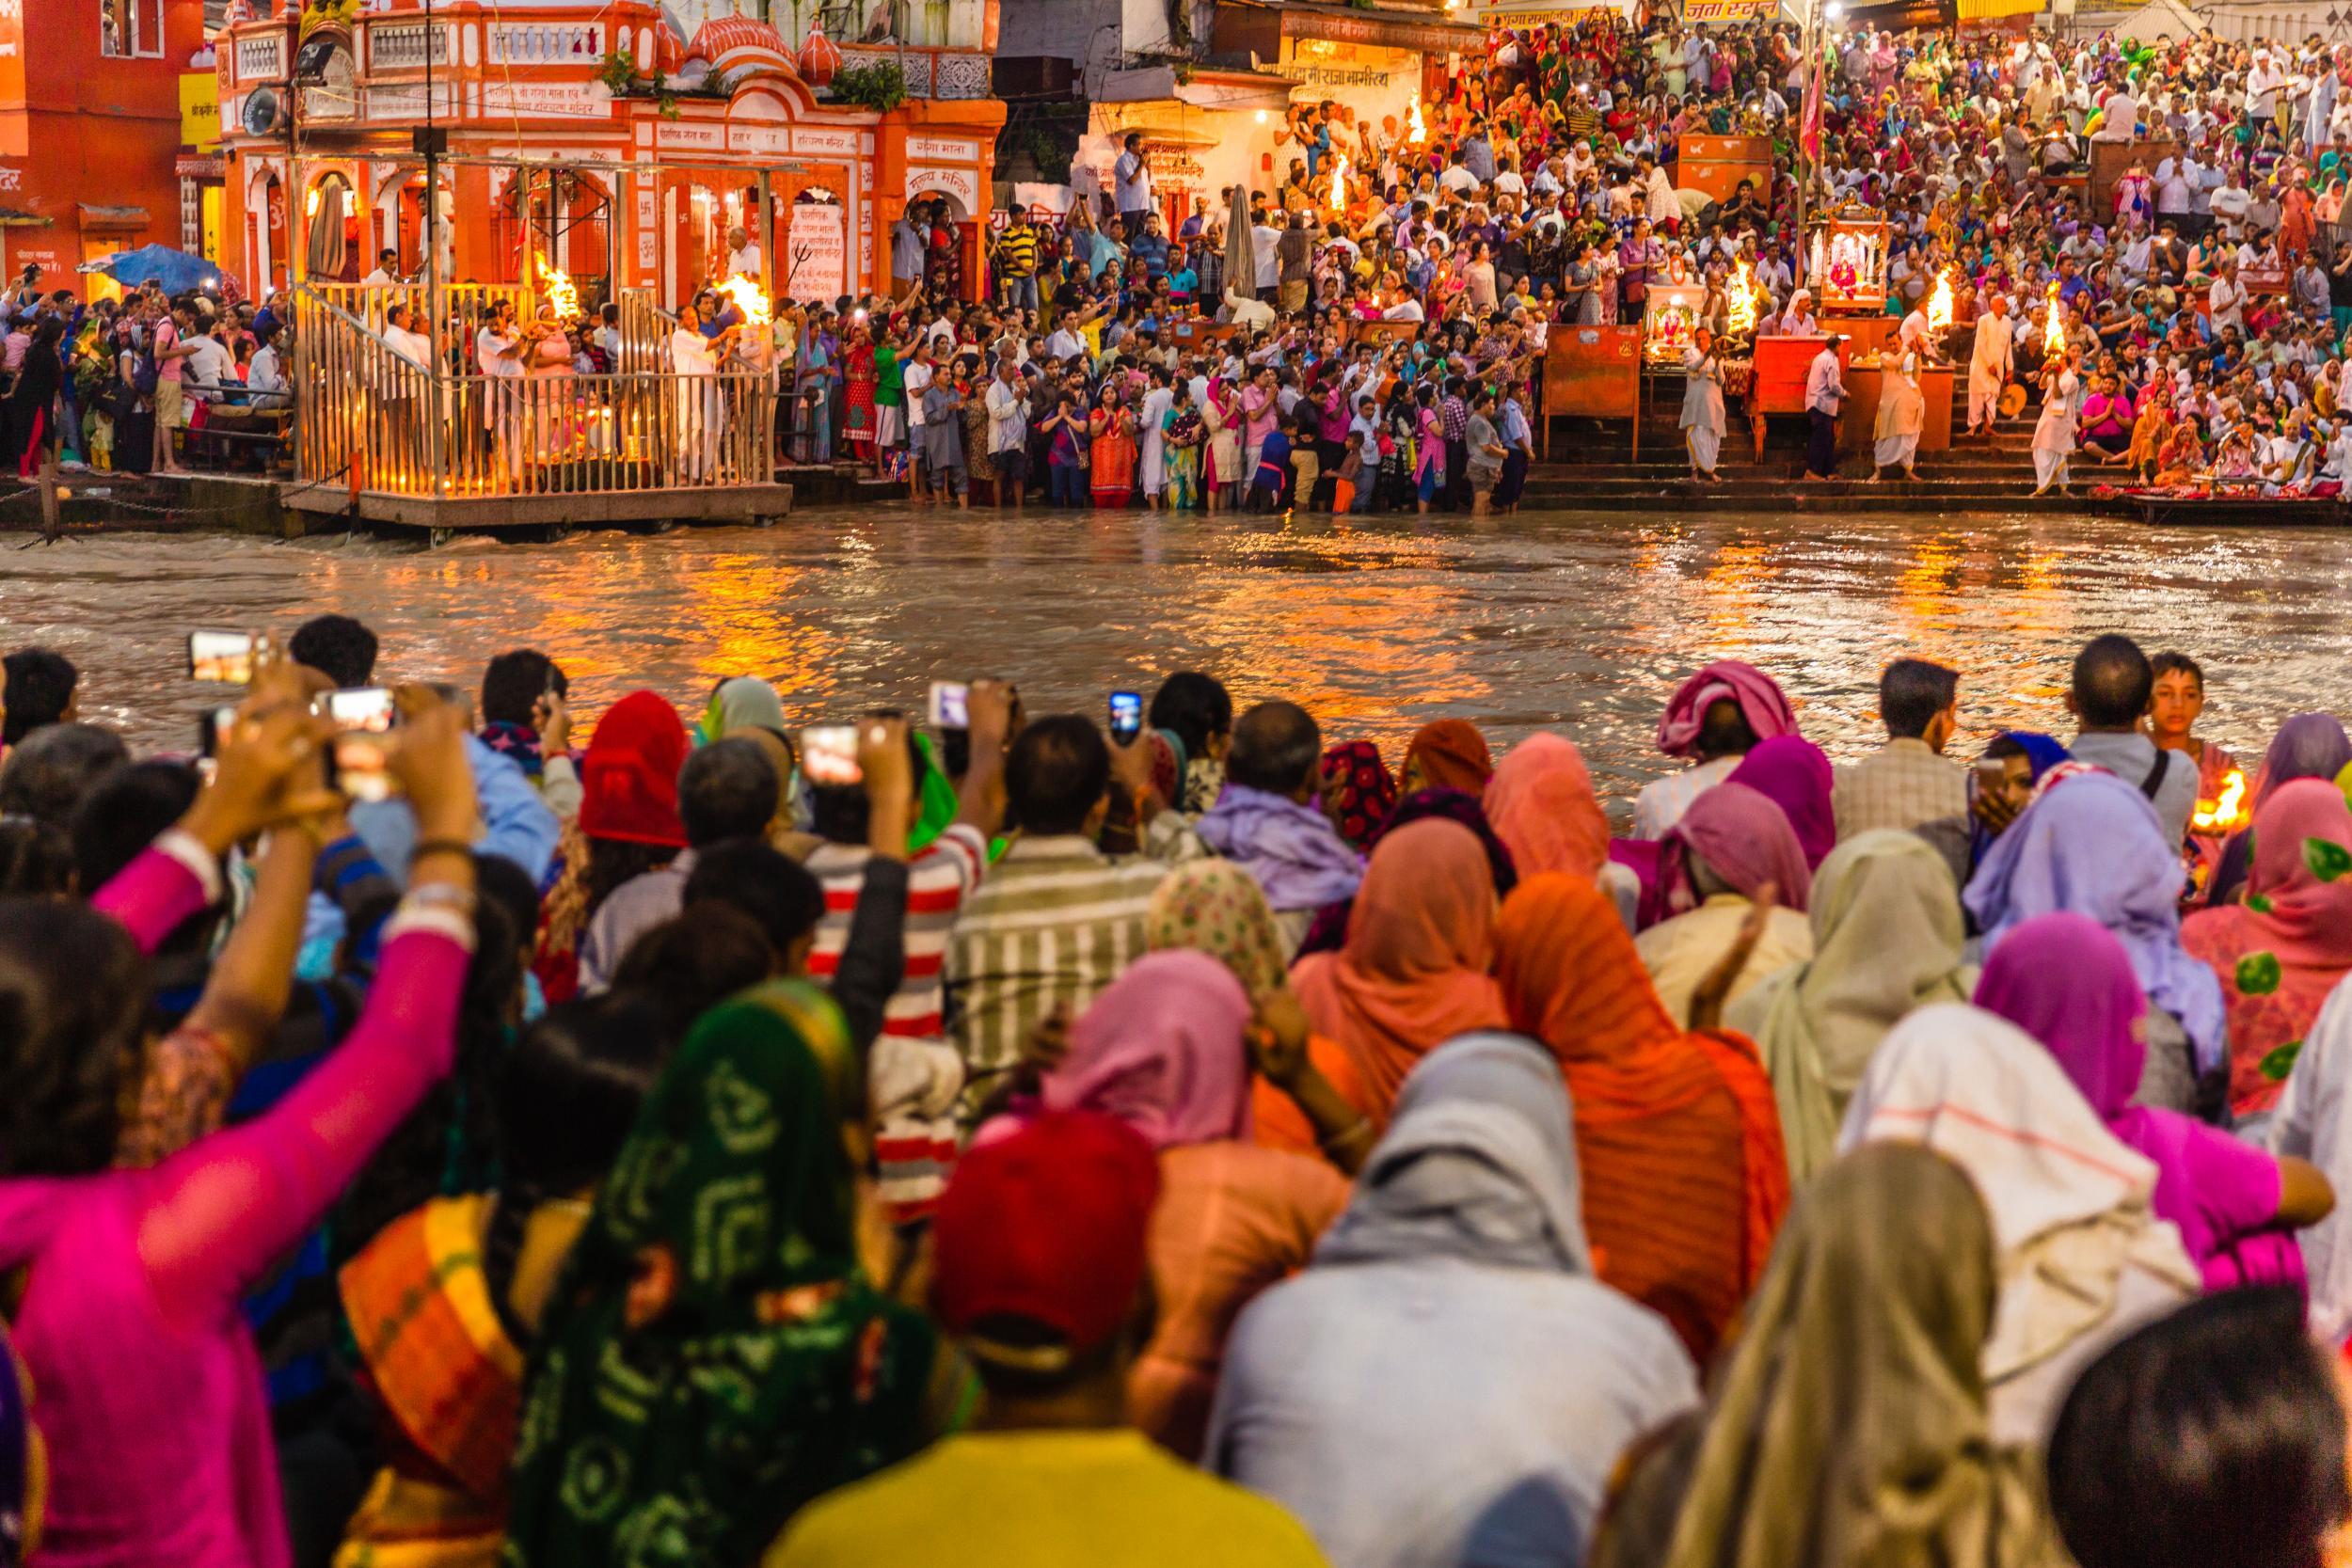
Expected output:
(1582, 622)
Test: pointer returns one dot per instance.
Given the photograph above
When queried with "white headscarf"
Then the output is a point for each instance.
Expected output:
(2070, 1201)
(2313, 1122)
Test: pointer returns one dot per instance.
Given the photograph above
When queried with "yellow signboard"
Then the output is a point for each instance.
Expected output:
(1696, 11)
(199, 110)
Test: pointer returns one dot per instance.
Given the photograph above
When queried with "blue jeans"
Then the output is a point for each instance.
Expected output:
(1067, 484)
(1021, 292)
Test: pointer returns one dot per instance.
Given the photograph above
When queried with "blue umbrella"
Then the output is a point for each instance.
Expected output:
(175, 270)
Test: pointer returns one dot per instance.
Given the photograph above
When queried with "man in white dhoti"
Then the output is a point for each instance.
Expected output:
(1703, 405)
(2054, 433)
(1988, 364)
(1902, 415)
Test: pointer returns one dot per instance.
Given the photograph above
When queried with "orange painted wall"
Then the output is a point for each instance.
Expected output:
(77, 126)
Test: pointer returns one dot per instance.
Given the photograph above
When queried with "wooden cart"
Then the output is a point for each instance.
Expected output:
(1782, 365)
(1595, 373)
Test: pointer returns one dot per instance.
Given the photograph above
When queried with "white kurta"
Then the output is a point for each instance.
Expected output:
(1988, 365)
(1902, 415)
(1702, 407)
(1157, 403)
(2054, 433)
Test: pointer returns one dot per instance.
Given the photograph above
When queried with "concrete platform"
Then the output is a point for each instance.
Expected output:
(732, 504)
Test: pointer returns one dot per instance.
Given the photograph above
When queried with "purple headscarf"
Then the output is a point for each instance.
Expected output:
(1297, 855)
(1743, 838)
(2308, 746)
(2092, 844)
(1162, 1050)
(1760, 700)
(2064, 979)
(1794, 774)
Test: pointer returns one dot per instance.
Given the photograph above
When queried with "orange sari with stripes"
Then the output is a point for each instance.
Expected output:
(1677, 1133)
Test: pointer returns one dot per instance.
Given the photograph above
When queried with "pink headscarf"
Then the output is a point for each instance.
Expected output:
(1743, 838)
(1767, 710)
(2065, 980)
(1162, 1050)
(1792, 773)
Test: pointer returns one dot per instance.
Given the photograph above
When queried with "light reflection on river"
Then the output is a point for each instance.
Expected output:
(1577, 621)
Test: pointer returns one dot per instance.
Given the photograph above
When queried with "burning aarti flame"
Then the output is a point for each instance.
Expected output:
(1940, 303)
(746, 296)
(1339, 184)
(2050, 311)
(1416, 132)
(2226, 814)
(557, 285)
(1741, 318)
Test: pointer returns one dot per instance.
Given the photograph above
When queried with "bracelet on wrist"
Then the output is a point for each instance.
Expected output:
(1362, 1129)
(440, 846)
(439, 895)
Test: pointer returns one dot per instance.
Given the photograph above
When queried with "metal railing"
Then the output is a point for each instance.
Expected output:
(377, 421)
(646, 329)
(465, 302)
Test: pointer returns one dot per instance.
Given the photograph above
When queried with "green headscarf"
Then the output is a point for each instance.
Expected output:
(935, 799)
(738, 704)
(775, 1371)
(1887, 938)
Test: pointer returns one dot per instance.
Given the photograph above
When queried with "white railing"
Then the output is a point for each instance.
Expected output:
(371, 420)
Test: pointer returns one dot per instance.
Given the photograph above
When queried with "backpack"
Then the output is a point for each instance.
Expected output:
(147, 373)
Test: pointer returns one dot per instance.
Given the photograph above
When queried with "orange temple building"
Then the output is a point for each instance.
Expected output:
(594, 136)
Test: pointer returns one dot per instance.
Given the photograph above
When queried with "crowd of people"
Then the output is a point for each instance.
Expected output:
(747, 1138)
(2185, 331)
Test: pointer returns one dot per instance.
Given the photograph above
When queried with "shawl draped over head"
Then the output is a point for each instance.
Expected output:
(2070, 1201)
(1852, 1425)
(1300, 861)
(1216, 908)
(1682, 1167)
(629, 776)
(773, 1371)
(1359, 790)
(1479, 1162)
(1759, 698)
(1162, 1050)
(1412, 973)
(2091, 843)
(2065, 981)
(1743, 838)
(1794, 774)
(1451, 755)
(2308, 746)
(1542, 804)
(1329, 930)
(2281, 951)
(742, 702)
(1887, 936)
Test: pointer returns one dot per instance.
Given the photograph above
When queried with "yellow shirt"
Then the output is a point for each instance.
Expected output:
(1678, 952)
(1044, 1499)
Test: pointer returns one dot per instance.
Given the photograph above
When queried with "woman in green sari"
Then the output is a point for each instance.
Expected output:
(715, 1358)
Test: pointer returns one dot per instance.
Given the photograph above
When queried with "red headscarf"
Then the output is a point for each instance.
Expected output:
(1677, 1133)
(1452, 754)
(1542, 805)
(1413, 972)
(628, 778)
(1359, 789)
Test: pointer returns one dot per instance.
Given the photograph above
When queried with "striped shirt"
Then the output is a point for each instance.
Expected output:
(1058, 922)
(914, 1076)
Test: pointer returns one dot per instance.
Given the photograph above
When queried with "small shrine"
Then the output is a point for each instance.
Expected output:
(1847, 264)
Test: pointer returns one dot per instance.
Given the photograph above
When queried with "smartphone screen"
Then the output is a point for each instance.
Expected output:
(828, 754)
(951, 705)
(367, 707)
(225, 658)
(363, 766)
(212, 728)
(1126, 716)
